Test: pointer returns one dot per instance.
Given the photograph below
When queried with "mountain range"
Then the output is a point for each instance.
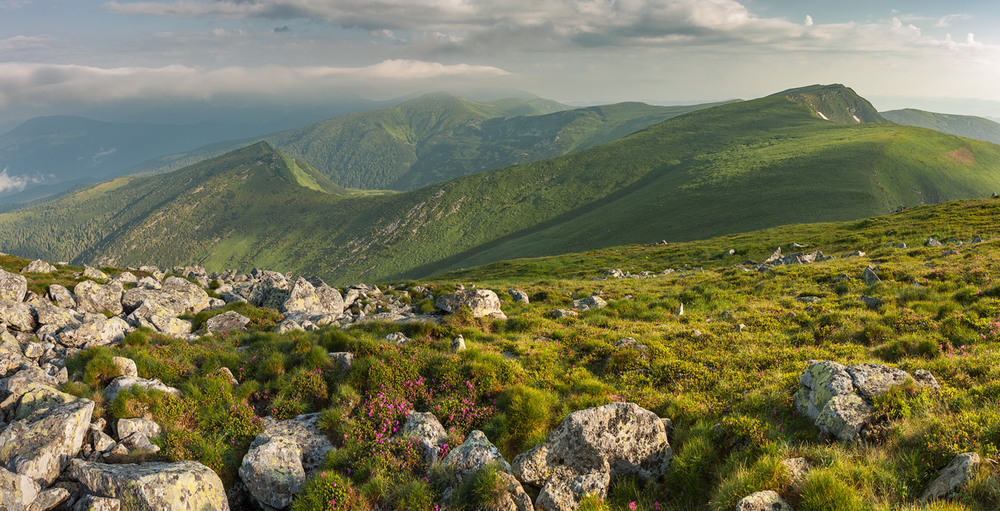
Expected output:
(800, 156)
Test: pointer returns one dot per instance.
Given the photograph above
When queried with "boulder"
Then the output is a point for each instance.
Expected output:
(827, 397)
(193, 298)
(482, 302)
(227, 322)
(924, 378)
(170, 325)
(138, 443)
(39, 397)
(95, 503)
(264, 289)
(16, 315)
(870, 277)
(49, 314)
(12, 286)
(520, 296)
(931, 242)
(872, 302)
(308, 299)
(872, 380)
(17, 491)
(126, 366)
(95, 331)
(398, 338)
(50, 499)
(282, 457)
(767, 500)
(99, 298)
(472, 456)
(426, 429)
(590, 302)
(596, 445)
(952, 477)
(181, 486)
(41, 445)
(126, 382)
(146, 427)
(94, 273)
(563, 313)
(38, 266)
(61, 296)
(458, 344)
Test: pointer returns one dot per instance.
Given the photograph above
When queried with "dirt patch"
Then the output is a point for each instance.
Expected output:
(961, 155)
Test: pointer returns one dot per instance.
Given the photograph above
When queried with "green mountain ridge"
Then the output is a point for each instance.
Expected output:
(835, 103)
(732, 168)
(970, 126)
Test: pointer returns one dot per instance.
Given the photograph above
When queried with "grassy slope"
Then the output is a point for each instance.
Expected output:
(961, 125)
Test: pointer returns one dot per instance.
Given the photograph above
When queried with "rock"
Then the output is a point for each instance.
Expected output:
(182, 486)
(50, 498)
(16, 315)
(977, 239)
(870, 277)
(615, 273)
(17, 492)
(95, 331)
(872, 302)
(872, 380)
(126, 277)
(924, 378)
(308, 299)
(398, 338)
(797, 469)
(99, 298)
(95, 503)
(827, 396)
(282, 457)
(342, 359)
(126, 366)
(94, 273)
(952, 477)
(170, 325)
(39, 397)
(767, 500)
(807, 299)
(12, 286)
(193, 298)
(856, 253)
(61, 296)
(49, 314)
(563, 313)
(590, 302)
(138, 443)
(101, 441)
(427, 430)
(224, 374)
(617, 439)
(458, 344)
(481, 302)
(125, 382)
(38, 266)
(774, 257)
(265, 289)
(227, 322)
(519, 296)
(474, 455)
(931, 242)
(565, 488)
(41, 445)
(146, 427)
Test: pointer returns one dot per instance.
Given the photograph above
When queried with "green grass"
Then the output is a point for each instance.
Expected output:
(961, 125)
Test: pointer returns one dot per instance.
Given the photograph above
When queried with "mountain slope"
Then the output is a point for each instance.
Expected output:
(961, 125)
(732, 168)
(834, 103)
(440, 136)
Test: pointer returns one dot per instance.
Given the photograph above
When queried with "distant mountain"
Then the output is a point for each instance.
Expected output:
(962, 125)
(441, 136)
(835, 103)
(732, 168)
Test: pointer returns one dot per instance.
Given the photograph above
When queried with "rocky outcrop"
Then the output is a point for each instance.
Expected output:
(182, 486)
(282, 457)
(589, 448)
(481, 302)
(475, 454)
(41, 445)
(12, 286)
(99, 298)
(228, 321)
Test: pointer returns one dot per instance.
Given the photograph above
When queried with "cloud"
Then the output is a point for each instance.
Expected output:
(22, 42)
(809, 20)
(18, 183)
(42, 84)
(283, 28)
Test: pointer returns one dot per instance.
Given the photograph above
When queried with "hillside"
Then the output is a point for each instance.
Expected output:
(437, 137)
(834, 103)
(961, 125)
(733, 168)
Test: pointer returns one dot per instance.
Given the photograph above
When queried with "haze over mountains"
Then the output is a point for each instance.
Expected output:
(799, 156)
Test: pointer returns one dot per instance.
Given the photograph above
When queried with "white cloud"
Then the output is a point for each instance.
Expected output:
(23, 42)
(809, 20)
(18, 183)
(40, 84)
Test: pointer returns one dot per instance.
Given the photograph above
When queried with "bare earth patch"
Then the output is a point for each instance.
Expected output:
(962, 155)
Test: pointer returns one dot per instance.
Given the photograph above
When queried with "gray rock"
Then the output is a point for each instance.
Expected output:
(426, 429)
(49, 314)
(94, 273)
(563, 313)
(138, 443)
(827, 396)
(774, 257)
(182, 486)
(146, 427)
(565, 488)
(99, 298)
(50, 499)
(41, 445)
(95, 503)
(38, 266)
(95, 331)
(308, 299)
(482, 303)
(37, 397)
(126, 382)
(590, 302)
(17, 492)
(924, 378)
(61, 296)
(342, 359)
(518, 295)
(869, 277)
(872, 302)
(17, 315)
(931, 242)
(458, 344)
(282, 457)
(227, 322)
(475, 453)
(767, 500)
(872, 380)
(952, 477)
(398, 338)
(170, 325)
(126, 366)
(12, 286)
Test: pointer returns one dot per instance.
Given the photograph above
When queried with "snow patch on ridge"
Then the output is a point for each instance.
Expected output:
(825, 118)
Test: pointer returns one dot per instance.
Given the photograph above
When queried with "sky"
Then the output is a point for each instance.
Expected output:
(64, 54)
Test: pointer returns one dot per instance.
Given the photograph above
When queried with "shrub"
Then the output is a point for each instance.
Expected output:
(480, 490)
(329, 491)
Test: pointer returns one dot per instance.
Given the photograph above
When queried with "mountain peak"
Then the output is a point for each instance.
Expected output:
(835, 103)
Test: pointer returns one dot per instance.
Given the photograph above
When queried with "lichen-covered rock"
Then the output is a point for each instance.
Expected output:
(474, 455)
(125, 366)
(147, 427)
(170, 325)
(17, 491)
(95, 503)
(99, 298)
(518, 296)
(61, 296)
(49, 314)
(273, 472)
(16, 315)
(182, 486)
(40, 397)
(482, 302)
(590, 302)
(952, 477)
(50, 499)
(95, 331)
(126, 382)
(870, 277)
(767, 500)
(304, 431)
(875, 379)
(193, 298)
(38, 266)
(308, 299)
(828, 397)
(94, 273)
(41, 445)
(227, 322)
(565, 488)
(264, 289)
(12, 286)
(426, 429)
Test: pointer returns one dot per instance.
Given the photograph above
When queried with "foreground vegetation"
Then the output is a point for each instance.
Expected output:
(723, 372)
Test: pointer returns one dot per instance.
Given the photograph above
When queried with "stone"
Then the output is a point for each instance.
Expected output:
(38, 266)
(797, 469)
(146, 427)
(125, 366)
(774, 257)
(308, 299)
(273, 472)
(519, 296)
(565, 488)
(872, 380)
(49, 314)
(94, 273)
(224, 374)
(50, 499)
(767, 500)
(17, 315)
(481, 302)
(101, 441)
(616, 439)
(931, 242)
(99, 298)
(61, 296)
(170, 325)
(41, 445)
(181, 486)
(458, 344)
(95, 331)
(126, 382)
(398, 338)
(40, 397)
(827, 396)
(872, 302)
(563, 313)
(126, 277)
(615, 273)
(952, 477)
(426, 429)
(95, 503)
(590, 302)
(924, 378)
(474, 453)
(227, 322)
(17, 492)
(869, 277)
(12, 286)
(138, 443)
(342, 359)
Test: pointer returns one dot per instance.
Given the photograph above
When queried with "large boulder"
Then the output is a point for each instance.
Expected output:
(227, 322)
(95, 331)
(474, 455)
(17, 491)
(12, 286)
(193, 298)
(41, 445)
(594, 446)
(126, 382)
(49, 314)
(174, 297)
(61, 296)
(591, 302)
(283, 456)
(38, 266)
(482, 302)
(425, 428)
(16, 315)
(311, 300)
(181, 486)
(99, 298)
